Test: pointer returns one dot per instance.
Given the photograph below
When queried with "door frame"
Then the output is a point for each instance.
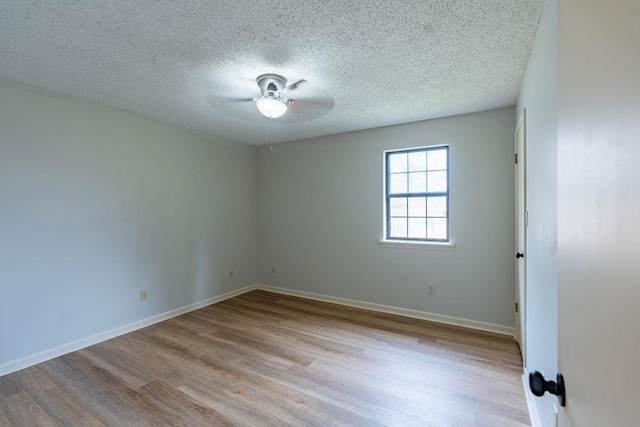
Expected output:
(521, 219)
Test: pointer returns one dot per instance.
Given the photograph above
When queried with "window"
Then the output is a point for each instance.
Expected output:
(417, 194)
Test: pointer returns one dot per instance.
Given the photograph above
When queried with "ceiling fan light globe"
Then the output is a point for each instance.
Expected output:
(271, 107)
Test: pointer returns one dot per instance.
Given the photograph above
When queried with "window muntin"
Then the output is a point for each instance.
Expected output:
(417, 194)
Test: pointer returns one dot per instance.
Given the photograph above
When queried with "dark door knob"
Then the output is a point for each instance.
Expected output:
(539, 386)
(519, 255)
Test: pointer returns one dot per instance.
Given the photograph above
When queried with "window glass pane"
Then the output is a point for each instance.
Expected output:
(437, 228)
(437, 159)
(398, 227)
(417, 161)
(417, 182)
(398, 162)
(437, 206)
(398, 206)
(398, 183)
(437, 181)
(417, 206)
(417, 228)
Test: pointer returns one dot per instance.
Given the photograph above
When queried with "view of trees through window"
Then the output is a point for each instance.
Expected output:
(417, 194)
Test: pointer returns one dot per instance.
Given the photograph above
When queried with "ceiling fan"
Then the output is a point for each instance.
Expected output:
(274, 100)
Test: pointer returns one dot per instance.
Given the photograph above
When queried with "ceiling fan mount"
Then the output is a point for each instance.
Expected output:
(271, 83)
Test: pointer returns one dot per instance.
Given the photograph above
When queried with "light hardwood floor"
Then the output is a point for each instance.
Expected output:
(265, 359)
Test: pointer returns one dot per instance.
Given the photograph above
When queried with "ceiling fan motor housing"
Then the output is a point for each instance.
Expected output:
(271, 83)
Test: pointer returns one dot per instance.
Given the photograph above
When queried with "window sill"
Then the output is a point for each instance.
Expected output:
(406, 244)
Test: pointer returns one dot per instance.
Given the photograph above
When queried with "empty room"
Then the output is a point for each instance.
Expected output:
(288, 213)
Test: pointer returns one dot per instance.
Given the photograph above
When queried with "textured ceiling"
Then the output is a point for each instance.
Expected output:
(367, 64)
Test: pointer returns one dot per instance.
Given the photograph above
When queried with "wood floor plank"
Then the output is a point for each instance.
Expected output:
(114, 401)
(123, 369)
(30, 380)
(21, 410)
(65, 409)
(274, 398)
(4, 421)
(179, 409)
(273, 360)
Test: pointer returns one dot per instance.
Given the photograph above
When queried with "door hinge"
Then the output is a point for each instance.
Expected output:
(516, 307)
(526, 218)
(516, 159)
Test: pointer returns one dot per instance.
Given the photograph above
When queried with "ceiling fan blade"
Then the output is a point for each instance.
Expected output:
(239, 108)
(218, 101)
(305, 109)
(294, 86)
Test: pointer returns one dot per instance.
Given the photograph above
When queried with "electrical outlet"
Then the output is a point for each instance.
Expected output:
(231, 273)
(274, 270)
(431, 289)
(144, 295)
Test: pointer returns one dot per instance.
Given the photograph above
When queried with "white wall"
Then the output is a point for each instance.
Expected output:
(539, 95)
(97, 204)
(320, 217)
(598, 211)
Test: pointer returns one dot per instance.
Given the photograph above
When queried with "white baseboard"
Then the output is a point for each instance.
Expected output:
(25, 362)
(433, 317)
(533, 413)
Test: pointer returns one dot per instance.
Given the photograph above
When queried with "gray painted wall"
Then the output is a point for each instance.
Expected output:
(320, 218)
(97, 204)
(539, 95)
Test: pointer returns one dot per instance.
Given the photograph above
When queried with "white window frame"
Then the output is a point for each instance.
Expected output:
(416, 243)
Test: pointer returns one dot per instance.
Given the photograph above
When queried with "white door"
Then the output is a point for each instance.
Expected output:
(599, 211)
(521, 235)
